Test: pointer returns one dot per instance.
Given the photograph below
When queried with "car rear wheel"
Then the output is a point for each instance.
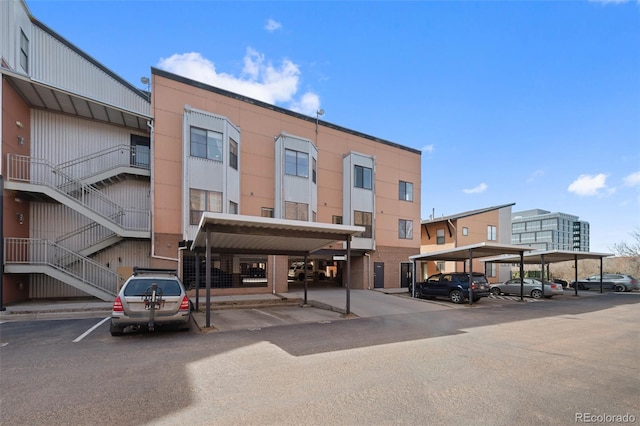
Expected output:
(417, 293)
(456, 296)
(115, 330)
(495, 291)
(619, 287)
(536, 294)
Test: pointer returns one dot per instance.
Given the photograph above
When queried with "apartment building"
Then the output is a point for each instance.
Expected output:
(98, 176)
(490, 224)
(544, 230)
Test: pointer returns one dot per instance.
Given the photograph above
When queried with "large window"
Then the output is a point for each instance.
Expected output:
(24, 52)
(364, 219)
(363, 177)
(440, 236)
(406, 191)
(296, 211)
(491, 233)
(233, 154)
(296, 163)
(405, 229)
(206, 144)
(314, 172)
(201, 201)
(266, 212)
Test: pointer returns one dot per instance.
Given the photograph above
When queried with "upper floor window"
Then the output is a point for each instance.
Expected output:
(233, 154)
(465, 231)
(296, 163)
(24, 51)
(490, 269)
(201, 201)
(206, 144)
(491, 233)
(314, 167)
(405, 229)
(266, 212)
(406, 191)
(296, 211)
(364, 219)
(336, 220)
(233, 207)
(440, 236)
(363, 177)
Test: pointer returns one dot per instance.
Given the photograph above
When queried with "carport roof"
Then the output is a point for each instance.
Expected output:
(231, 233)
(550, 256)
(477, 250)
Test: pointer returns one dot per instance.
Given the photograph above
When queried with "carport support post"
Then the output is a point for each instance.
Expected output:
(207, 278)
(542, 271)
(470, 277)
(197, 281)
(601, 277)
(348, 309)
(305, 279)
(575, 267)
(521, 276)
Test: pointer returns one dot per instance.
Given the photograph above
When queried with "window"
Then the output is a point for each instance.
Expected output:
(490, 268)
(206, 144)
(314, 216)
(201, 201)
(233, 154)
(491, 233)
(440, 266)
(363, 177)
(364, 219)
(233, 207)
(440, 236)
(314, 173)
(266, 212)
(296, 163)
(406, 191)
(24, 52)
(405, 229)
(296, 211)
(336, 220)
(465, 231)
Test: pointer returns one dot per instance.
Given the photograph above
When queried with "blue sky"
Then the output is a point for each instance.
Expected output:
(535, 103)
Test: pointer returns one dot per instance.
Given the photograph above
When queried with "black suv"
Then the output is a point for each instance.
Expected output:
(454, 286)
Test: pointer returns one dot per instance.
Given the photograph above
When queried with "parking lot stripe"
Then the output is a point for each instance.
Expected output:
(83, 335)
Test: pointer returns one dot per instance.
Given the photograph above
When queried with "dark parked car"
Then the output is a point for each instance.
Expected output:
(219, 279)
(454, 286)
(616, 282)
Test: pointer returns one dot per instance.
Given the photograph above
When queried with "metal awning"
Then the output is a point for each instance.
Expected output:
(545, 257)
(461, 254)
(231, 233)
(43, 96)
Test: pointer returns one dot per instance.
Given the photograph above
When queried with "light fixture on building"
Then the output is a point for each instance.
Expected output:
(19, 124)
(20, 140)
(318, 114)
(20, 217)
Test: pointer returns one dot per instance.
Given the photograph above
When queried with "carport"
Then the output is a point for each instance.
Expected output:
(546, 257)
(236, 234)
(464, 253)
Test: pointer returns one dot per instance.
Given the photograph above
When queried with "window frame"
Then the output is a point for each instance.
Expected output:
(360, 219)
(405, 229)
(301, 163)
(440, 236)
(233, 154)
(204, 200)
(362, 177)
(405, 191)
(24, 51)
(492, 233)
(206, 146)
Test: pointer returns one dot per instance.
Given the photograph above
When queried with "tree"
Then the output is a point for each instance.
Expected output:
(629, 249)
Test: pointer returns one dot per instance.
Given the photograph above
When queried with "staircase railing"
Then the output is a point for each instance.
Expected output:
(36, 251)
(23, 168)
(107, 159)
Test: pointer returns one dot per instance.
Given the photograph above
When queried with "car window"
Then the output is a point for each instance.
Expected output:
(433, 279)
(141, 287)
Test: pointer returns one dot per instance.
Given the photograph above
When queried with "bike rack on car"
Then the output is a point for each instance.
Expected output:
(153, 300)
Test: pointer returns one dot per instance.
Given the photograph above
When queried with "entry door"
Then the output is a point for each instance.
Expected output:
(378, 274)
(405, 274)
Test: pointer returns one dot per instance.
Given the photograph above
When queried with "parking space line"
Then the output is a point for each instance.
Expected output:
(86, 333)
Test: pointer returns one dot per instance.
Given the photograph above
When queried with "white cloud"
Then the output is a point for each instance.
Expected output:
(587, 185)
(428, 149)
(272, 25)
(535, 175)
(609, 1)
(633, 179)
(260, 79)
(477, 190)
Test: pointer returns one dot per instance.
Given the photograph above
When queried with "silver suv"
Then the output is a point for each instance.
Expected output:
(151, 298)
(616, 282)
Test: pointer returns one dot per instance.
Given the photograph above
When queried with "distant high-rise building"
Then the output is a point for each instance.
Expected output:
(541, 229)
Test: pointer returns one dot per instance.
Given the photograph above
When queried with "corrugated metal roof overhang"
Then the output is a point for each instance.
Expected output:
(479, 250)
(550, 256)
(232, 233)
(43, 96)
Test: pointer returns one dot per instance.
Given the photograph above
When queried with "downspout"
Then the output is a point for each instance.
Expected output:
(368, 271)
(151, 195)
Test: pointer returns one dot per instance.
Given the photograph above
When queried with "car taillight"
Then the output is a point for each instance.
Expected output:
(185, 306)
(473, 286)
(117, 305)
